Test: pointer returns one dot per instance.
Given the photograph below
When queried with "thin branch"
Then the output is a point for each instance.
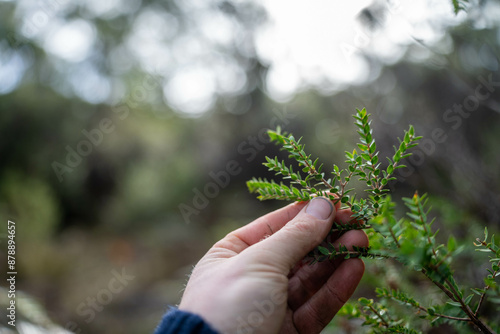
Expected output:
(352, 254)
(312, 170)
(473, 318)
(422, 308)
(443, 315)
(344, 183)
(440, 286)
(455, 296)
(394, 236)
(351, 227)
(385, 323)
(486, 288)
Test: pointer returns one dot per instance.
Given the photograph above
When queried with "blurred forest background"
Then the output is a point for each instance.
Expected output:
(128, 130)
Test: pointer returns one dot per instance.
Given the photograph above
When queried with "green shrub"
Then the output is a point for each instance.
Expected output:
(409, 240)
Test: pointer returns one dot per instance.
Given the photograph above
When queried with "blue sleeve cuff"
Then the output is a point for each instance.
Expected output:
(182, 322)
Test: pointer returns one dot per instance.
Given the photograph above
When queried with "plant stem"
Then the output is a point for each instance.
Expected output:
(385, 323)
(312, 170)
(455, 296)
(355, 254)
(473, 318)
(486, 288)
(351, 227)
(443, 315)
(394, 237)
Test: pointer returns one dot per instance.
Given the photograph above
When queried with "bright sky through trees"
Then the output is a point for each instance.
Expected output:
(326, 45)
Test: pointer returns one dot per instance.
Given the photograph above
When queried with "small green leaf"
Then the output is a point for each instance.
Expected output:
(468, 299)
(452, 244)
(365, 302)
(323, 250)
(363, 147)
(390, 169)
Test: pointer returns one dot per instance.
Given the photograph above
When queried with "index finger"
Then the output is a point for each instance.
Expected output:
(262, 227)
(257, 230)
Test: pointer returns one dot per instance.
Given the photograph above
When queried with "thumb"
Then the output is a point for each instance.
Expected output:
(299, 236)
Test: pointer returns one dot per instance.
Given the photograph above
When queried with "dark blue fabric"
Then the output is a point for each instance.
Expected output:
(181, 322)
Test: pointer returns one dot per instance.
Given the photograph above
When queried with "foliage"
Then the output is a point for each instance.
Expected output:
(458, 5)
(409, 240)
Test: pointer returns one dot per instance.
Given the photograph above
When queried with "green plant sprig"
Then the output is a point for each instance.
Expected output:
(330, 252)
(485, 246)
(378, 317)
(404, 299)
(409, 240)
(415, 245)
(364, 165)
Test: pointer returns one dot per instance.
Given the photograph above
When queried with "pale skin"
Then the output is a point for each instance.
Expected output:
(255, 280)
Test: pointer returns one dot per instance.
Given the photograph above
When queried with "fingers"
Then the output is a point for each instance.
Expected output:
(319, 310)
(271, 223)
(260, 228)
(344, 217)
(309, 279)
(293, 241)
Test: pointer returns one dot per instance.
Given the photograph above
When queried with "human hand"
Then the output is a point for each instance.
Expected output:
(254, 279)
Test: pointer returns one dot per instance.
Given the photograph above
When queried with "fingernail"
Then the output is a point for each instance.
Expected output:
(320, 207)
